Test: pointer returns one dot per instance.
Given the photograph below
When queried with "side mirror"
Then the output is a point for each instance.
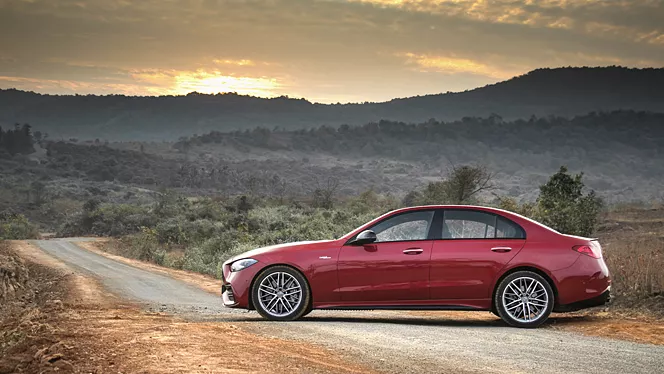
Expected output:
(365, 237)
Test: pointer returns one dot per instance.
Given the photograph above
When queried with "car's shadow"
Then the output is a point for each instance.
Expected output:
(382, 319)
(414, 320)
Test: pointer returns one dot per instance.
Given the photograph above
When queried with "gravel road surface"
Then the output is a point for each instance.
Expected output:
(389, 341)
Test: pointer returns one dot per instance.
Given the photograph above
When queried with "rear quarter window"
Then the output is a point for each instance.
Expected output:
(508, 230)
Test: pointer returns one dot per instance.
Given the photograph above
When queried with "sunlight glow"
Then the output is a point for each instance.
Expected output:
(453, 65)
(215, 82)
(209, 82)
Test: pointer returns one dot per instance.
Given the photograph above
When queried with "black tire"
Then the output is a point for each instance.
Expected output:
(308, 310)
(299, 310)
(509, 317)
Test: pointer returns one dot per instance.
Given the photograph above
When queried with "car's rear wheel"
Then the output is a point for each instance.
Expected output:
(524, 299)
(281, 293)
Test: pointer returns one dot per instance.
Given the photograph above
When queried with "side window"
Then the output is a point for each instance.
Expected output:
(406, 226)
(508, 229)
(468, 224)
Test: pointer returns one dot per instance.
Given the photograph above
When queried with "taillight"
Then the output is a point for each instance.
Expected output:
(588, 250)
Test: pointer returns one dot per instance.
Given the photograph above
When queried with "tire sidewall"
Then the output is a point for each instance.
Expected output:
(500, 308)
(306, 294)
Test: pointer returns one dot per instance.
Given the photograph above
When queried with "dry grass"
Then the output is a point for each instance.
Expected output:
(633, 243)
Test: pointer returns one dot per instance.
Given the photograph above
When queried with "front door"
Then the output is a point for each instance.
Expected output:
(395, 267)
(475, 246)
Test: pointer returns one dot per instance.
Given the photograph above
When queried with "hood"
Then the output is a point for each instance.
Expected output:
(276, 248)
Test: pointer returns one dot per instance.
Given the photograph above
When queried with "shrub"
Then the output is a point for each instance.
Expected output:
(144, 246)
(14, 226)
(563, 206)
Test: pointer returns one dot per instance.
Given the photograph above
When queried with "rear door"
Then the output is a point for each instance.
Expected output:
(475, 246)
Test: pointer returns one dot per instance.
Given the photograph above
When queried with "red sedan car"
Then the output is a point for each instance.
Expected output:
(426, 258)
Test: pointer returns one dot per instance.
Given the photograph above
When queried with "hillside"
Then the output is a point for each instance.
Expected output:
(561, 92)
(620, 153)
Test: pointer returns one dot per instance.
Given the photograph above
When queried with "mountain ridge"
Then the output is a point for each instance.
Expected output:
(559, 91)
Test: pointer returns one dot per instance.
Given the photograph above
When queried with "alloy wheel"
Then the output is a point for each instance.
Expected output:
(525, 299)
(280, 294)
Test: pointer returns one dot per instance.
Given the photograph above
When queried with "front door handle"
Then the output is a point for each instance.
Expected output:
(501, 249)
(413, 251)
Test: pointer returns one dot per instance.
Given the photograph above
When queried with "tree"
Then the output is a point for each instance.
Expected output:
(434, 193)
(411, 198)
(20, 140)
(38, 190)
(462, 184)
(563, 206)
(466, 181)
(324, 193)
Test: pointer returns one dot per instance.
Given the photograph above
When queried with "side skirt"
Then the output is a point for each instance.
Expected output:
(404, 307)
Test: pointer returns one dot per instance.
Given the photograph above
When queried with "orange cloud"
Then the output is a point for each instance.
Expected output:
(454, 65)
(235, 62)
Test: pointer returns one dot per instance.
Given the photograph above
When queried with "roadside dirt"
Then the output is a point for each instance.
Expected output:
(73, 325)
(638, 329)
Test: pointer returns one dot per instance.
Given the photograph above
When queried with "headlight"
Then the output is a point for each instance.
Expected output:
(242, 264)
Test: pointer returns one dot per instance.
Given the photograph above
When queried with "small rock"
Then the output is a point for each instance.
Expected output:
(53, 358)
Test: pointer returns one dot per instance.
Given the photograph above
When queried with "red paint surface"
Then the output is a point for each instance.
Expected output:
(447, 272)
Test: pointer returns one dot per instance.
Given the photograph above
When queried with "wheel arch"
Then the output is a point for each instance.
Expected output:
(266, 268)
(531, 268)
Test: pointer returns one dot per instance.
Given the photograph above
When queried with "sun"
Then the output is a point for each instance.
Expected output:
(212, 82)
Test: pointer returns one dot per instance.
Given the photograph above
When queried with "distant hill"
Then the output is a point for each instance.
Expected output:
(561, 92)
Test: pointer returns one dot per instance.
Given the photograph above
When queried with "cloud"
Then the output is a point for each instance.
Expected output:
(632, 19)
(335, 50)
(455, 65)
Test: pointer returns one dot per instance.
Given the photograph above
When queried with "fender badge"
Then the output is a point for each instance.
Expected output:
(325, 257)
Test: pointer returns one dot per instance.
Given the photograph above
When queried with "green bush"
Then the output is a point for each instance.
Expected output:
(562, 205)
(144, 246)
(14, 226)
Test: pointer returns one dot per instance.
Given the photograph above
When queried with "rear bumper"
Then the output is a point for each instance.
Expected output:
(587, 279)
(602, 299)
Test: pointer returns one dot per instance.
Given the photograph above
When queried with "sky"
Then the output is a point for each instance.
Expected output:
(326, 51)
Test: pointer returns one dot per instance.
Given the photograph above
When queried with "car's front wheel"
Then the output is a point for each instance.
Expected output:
(524, 299)
(281, 293)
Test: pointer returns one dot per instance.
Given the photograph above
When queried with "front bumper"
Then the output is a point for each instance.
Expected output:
(236, 285)
(227, 295)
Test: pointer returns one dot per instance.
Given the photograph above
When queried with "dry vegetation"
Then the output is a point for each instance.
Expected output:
(633, 242)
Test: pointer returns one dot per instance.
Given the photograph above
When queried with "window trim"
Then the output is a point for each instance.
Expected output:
(496, 216)
(430, 235)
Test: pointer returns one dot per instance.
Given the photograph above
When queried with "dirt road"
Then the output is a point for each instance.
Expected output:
(387, 341)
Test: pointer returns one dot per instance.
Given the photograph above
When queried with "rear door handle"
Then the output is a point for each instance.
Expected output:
(501, 249)
(413, 251)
